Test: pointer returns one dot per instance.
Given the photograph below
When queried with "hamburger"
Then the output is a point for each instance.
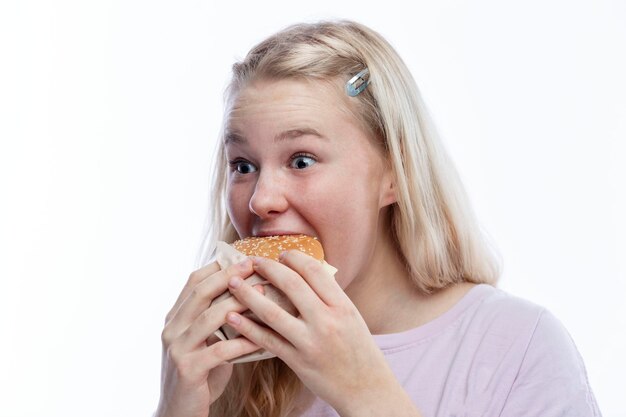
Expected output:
(272, 246)
(268, 247)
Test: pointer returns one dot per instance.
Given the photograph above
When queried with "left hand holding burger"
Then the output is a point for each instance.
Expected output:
(329, 345)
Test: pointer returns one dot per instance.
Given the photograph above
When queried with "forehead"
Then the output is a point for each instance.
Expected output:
(288, 105)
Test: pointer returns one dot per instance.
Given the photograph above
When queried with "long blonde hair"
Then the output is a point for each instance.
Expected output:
(432, 222)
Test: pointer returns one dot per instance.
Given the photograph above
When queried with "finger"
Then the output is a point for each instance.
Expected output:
(261, 336)
(290, 283)
(322, 283)
(207, 323)
(220, 353)
(213, 338)
(194, 279)
(267, 310)
(202, 295)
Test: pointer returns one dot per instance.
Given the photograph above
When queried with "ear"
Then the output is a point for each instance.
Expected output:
(387, 189)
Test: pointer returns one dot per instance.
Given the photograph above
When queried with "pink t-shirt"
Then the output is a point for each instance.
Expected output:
(492, 354)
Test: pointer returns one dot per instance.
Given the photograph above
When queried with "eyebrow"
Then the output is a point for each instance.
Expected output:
(236, 138)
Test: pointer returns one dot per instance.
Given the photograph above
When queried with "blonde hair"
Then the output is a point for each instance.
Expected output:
(432, 222)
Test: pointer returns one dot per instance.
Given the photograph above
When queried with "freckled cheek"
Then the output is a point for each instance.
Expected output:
(345, 215)
(331, 211)
(237, 202)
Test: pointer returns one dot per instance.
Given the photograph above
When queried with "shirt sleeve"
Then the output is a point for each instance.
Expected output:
(552, 379)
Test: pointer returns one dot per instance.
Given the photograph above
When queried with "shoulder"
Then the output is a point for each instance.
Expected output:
(501, 301)
(499, 309)
(549, 370)
(533, 325)
(516, 329)
(501, 313)
(543, 333)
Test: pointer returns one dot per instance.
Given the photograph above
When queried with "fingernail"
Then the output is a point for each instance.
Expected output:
(235, 282)
(282, 255)
(233, 318)
(256, 261)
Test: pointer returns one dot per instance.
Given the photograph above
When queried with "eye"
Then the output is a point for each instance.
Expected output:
(302, 161)
(242, 166)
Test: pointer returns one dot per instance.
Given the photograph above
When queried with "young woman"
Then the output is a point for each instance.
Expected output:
(325, 134)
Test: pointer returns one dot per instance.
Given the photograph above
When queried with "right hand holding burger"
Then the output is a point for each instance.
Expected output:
(194, 368)
(194, 371)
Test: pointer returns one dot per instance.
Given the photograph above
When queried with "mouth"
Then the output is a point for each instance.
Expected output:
(267, 233)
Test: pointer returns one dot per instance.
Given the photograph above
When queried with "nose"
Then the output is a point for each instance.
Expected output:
(269, 196)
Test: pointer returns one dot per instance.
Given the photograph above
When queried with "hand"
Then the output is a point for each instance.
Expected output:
(329, 345)
(193, 369)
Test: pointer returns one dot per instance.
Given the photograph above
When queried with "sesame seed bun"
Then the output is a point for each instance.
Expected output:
(272, 246)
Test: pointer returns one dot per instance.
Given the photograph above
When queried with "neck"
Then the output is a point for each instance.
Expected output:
(383, 292)
(387, 299)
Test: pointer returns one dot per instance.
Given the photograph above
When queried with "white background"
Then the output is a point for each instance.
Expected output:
(108, 116)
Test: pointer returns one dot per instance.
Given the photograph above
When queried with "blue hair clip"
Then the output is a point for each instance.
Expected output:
(358, 83)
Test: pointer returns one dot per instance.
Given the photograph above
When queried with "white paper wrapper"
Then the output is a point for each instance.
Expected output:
(226, 256)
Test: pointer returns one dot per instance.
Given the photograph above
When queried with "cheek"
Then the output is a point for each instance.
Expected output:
(344, 212)
(237, 202)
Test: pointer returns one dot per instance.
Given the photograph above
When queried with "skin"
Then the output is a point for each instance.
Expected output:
(194, 371)
(337, 188)
(337, 196)
(341, 195)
